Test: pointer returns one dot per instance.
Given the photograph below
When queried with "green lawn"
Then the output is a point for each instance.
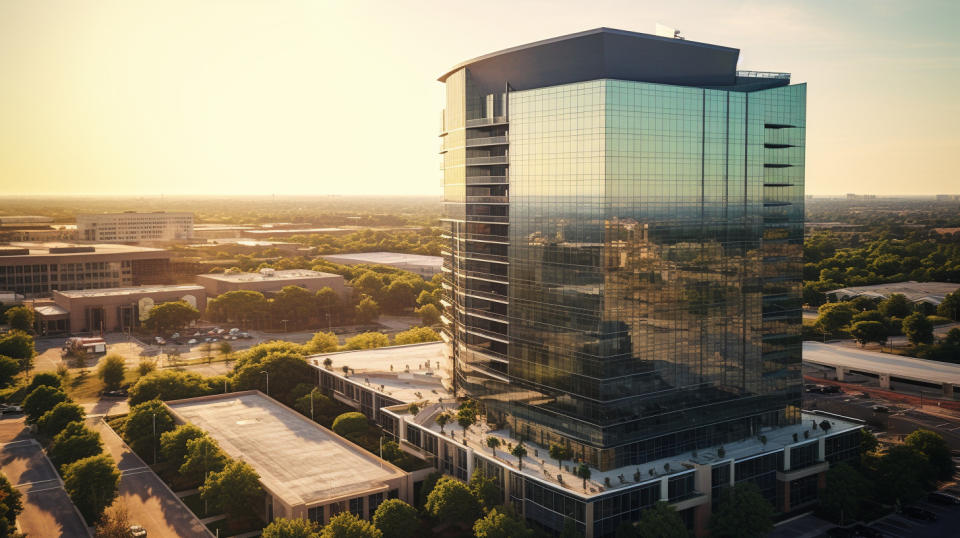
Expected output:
(84, 388)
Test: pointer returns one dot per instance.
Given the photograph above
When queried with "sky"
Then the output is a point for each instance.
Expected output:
(340, 97)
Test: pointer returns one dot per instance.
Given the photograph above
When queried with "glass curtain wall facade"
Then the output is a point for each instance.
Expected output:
(624, 266)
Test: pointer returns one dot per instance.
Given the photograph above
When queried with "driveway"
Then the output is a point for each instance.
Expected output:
(47, 509)
(148, 501)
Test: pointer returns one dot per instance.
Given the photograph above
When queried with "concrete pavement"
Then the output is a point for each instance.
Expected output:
(47, 509)
(149, 502)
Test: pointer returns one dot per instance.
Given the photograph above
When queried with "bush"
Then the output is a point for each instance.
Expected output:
(111, 371)
(396, 519)
(347, 525)
(452, 502)
(368, 340)
(169, 385)
(74, 443)
(45, 379)
(257, 353)
(350, 424)
(92, 484)
(41, 400)
(416, 335)
(286, 371)
(323, 342)
(234, 490)
(18, 345)
(56, 419)
(145, 367)
(282, 527)
(9, 369)
(173, 444)
(11, 505)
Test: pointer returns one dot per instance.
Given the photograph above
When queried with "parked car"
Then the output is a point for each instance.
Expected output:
(119, 393)
(136, 531)
(919, 513)
(174, 336)
(245, 336)
(159, 341)
(192, 341)
(10, 409)
(940, 497)
(234, 330)
(880, 409)
(864, 531)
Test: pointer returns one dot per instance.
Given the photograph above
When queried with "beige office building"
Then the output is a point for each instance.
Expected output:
(133, 226)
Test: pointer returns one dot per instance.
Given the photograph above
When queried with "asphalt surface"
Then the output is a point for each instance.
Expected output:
(47, 509)
(148, 501)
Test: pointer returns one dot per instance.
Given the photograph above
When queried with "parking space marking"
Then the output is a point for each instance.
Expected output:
(25, 484)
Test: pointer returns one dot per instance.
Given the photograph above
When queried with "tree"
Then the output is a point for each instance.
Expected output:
(203, 456)
(347, 525)
(169, 385)
(325, 410)
(111, 371)
(416, 335)
(295, 304)
(741, 511)
(41, 400)
(350, 423)
(869, 331)
(366, 311)
(834, 316)
(895, 306)
(258, 353)
(9, 369)
(519, 452)
(171, 315)
(20, 318)
(950, 307)
(485, 489)
(429, 314)
(323, 342)
(560, 453)
(442, 419)
(467, 415)
(56, 419)
(145, 367)
(368, 340)
(282, 527)
(500, 524)
(286, 371)
(493, 443)
(92, 484)
(583, 472)
(328, 303)
(173, 444)
(11, 504)
(225, 349)
(918, 329)
(44, 379)
(846, 489)
(234, 490)
(18, 345)
(114, 524)
(241, 306)
(146, 422)
(903, 473)
(932, 445)
(662, 521)
(396, 519)
(74, 442)
(452, 502)
(399, 295)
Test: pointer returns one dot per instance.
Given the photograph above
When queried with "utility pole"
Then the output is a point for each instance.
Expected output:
(268, 380)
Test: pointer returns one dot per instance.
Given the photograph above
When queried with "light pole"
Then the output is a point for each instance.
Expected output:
(266, 373)
(311, 403)
(154, 417)
(284, 325)
(328, 321)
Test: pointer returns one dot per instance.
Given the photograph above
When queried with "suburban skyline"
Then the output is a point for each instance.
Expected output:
(137, 98)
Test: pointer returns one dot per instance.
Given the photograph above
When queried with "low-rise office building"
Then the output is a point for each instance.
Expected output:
(271, 280)
(930, 293)
(425, 266)
(306, 470)
(111, 309)
(36, 269)
(135, 226)
(786, 463)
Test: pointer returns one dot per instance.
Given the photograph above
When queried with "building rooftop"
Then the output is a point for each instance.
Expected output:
(881, 363)
(289, 231)
(20, 220)
(385, 258)
(133, 290)
(297, 459)
(933, 292)
(268, 275)
(76, 249)
(400, 372)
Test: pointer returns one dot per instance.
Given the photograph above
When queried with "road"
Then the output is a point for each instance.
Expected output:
(147, 500)
(47, 509)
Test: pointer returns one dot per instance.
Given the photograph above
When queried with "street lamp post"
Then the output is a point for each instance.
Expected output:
(284, 325)
(266, 373)
(311, 403)
(154, 417)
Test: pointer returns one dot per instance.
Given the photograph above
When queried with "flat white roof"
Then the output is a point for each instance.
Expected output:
(135, 290)
(914, 291)
(297, 459)
(385, 258)
(287, 274)
(880, 363)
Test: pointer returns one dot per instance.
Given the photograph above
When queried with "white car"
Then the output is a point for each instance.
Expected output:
(192, 341)
(136, 531)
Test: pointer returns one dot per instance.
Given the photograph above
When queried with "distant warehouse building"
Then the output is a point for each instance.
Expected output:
(425, 266)
(36, 269)
(931, 293)
(271, 280)
(306, 470)
(113, 309)
(134, 226)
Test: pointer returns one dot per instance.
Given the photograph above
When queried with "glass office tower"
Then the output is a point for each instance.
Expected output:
(625, 223)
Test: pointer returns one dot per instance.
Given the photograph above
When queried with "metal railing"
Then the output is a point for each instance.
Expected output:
(486, 121)
(481, 180)
(487, 141)
(496, 159)
(763, 74)
(487, 200)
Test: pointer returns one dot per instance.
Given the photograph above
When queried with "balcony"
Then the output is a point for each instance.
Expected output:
(487, 200)
(487, 141)
(493, 219)
(487, 161)
(486, 180)
(764, 74)
(487, 295)
(482, 122)
(483, 256)
(492, 335)
(492, 316)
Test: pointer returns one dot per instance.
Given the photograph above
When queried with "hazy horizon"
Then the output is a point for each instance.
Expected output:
(303, 98)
